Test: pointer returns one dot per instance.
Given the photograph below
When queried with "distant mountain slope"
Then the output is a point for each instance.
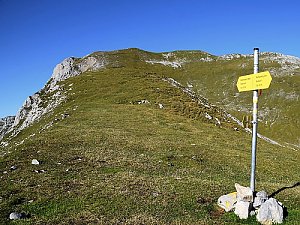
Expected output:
(53, 94)
(209, 76)
(120, 141)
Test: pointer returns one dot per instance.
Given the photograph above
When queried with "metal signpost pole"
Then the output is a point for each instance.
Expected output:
(254, 130)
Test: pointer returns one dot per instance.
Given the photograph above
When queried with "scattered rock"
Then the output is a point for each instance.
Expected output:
(154, 194)
(271, 211)
(208, 116)
(35, 162)
(13, 167)
(40, 171)
(161, 106)
(242, 209)
(144, 101)
(244, 193)
(260, 198)
(228, 201)
(16, 216)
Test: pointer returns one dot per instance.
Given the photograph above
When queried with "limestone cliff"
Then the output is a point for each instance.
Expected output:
(36, 105)
(5, 124)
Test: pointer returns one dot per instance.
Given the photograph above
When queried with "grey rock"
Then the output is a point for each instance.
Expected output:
(242, 209)
(13, 167)
(5, 124)
(35, 162)
(260, 198)
(71, 67)
(271, 211)
(15, 216)
(40, 171)
(154, 194)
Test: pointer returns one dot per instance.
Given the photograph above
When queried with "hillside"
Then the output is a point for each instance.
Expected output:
(278, 106)
(120, 141)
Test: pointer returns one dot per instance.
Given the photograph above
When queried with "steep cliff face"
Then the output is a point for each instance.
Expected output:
(5, 124)
(71, 67)
(52, 94)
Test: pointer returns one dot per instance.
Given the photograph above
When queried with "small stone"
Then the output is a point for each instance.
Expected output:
(35, 162)
(242, 209)
(259, 199)
(13, 167)
(252, 213)
(161, 106)
(271, 211)
(40, 171)
(228, 201)
(154, 194)
(15, 216)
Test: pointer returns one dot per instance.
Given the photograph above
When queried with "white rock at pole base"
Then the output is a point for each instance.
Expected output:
(228, 201)
(271, 211)
(242, 209)
(244, 193)
(259, 199)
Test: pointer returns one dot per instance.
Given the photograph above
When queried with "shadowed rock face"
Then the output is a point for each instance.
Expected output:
(5, 124)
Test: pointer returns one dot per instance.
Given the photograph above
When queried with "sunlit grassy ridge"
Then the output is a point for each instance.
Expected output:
(110, 160)
(278, 105)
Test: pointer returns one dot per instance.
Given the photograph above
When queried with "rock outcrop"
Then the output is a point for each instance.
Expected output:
(72, 66)
(37, 105)
(5, 124)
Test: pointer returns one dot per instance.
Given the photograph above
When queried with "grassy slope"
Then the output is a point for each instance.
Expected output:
(114, 161)
(278, 109)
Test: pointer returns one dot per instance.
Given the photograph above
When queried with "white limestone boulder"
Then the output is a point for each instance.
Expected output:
(271, 211)
(228, 201)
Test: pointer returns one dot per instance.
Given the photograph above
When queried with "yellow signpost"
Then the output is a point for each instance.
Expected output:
(254, 81)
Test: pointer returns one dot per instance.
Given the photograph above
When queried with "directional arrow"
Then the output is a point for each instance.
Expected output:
(254, 81)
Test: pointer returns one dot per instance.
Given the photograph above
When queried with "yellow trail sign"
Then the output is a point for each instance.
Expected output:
(254, 81)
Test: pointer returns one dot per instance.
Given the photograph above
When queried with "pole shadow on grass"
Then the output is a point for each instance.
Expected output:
(285, 212)
(282, 189)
